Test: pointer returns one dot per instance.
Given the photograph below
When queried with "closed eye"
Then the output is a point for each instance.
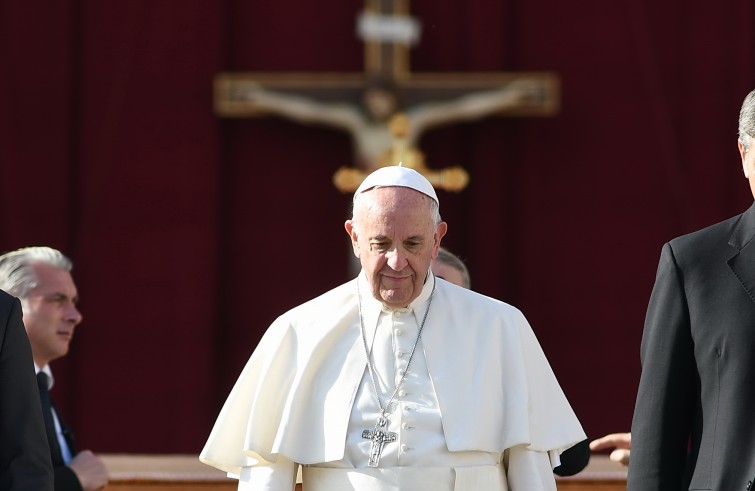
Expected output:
(379, 246)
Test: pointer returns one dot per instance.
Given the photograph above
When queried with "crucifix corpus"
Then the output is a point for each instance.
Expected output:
(387, 108)
(379, 437)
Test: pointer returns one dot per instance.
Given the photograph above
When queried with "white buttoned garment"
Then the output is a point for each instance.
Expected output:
(478, 398)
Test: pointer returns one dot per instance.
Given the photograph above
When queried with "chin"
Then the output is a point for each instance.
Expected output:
(398, 300)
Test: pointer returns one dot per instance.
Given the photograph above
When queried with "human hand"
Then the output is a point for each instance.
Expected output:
(90, 470)
(620, 442)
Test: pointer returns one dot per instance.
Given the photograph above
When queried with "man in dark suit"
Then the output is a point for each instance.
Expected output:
(24, 455)
(41, 278)
(694, 420)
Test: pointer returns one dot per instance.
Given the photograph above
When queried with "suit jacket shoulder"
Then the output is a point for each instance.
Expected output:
(24, 455)
(703, 242)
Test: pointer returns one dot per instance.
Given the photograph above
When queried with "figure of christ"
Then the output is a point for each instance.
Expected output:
(402, 152)
(368, 124)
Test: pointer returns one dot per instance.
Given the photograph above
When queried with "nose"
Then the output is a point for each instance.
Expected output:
(72, 314)
(396, 259)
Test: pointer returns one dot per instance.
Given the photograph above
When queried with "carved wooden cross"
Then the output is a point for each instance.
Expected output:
(349, 101)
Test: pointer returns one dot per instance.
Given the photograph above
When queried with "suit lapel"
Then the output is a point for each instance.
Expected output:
(742, 263)
(65, 430)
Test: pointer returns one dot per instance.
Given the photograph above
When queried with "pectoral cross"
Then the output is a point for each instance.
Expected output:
(379, 437)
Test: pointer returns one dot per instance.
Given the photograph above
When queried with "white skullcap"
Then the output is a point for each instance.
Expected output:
(396, 175)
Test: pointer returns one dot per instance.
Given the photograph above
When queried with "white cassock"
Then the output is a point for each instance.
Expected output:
(479, 407)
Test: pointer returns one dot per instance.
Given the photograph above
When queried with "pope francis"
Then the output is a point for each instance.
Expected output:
(396, 380)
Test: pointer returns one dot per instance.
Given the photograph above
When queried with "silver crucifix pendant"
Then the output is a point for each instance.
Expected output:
(379, 436)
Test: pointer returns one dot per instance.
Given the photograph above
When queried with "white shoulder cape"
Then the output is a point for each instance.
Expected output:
(494, 385)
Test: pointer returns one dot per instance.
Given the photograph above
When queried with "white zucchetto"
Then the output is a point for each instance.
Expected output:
(396, 175)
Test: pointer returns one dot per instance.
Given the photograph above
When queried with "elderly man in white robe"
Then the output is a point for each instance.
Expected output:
(395, 380)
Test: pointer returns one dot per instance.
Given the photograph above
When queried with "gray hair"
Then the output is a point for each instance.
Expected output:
(434, 208)
(450, 259)
(747, 120)
(17, 276)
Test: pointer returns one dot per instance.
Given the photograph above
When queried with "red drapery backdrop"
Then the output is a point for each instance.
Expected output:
(190, 233)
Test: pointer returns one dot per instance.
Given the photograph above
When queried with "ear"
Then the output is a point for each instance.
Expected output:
(439, 233)
(352, 231)
(743, 155)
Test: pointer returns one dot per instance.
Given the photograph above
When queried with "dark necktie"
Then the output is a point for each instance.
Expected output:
(52, 436)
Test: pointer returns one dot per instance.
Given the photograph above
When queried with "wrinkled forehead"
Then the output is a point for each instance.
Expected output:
(52, 279)
(394, 212)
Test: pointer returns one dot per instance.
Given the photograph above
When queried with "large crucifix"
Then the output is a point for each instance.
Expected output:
(387, 108)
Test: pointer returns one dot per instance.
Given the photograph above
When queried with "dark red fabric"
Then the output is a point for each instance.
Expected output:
(190, 233)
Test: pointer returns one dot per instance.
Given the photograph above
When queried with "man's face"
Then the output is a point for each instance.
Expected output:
(393, 237)
(447, 272)
(748, 162)
(50, 313)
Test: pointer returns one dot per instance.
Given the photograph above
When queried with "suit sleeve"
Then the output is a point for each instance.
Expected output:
(663, 411)
(24, 454)
(574, 459)
(66, 480)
